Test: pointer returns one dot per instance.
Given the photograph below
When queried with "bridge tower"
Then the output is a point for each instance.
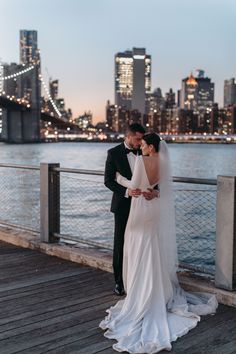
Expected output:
(21, 125)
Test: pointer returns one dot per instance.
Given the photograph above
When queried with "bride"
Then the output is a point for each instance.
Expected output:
(156, 310)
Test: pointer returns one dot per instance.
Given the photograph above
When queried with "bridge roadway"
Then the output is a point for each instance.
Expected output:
(56, 121)
(50, 305)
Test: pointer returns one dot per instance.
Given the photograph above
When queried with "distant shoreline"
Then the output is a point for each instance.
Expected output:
(121, 140)
(176, 140)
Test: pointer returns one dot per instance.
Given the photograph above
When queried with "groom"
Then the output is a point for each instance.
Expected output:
(121, 159)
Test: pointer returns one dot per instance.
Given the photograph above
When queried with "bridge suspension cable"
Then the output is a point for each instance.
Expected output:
(22, 72)
(1, 76)
(49, 96)
(12, 76)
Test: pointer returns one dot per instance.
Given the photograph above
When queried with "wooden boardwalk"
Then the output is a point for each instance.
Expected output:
(48, 305)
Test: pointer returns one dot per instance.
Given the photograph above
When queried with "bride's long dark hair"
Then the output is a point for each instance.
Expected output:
(153, 139)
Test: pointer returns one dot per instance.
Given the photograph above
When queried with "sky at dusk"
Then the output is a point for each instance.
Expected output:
(79, 38)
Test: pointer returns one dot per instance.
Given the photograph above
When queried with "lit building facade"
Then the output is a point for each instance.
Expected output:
(28, 46)
(155, 101)
(85, 120)
(223, 121)
(53, 89)
(187, 121)
(229, 92)
(132, 79)
(205, 93)
(197, 93)
(112, 116)
(233, 119)
(170, 99)
(188, 98)
(118, 118)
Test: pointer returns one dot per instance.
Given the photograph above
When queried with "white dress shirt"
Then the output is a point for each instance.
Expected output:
(131, 159)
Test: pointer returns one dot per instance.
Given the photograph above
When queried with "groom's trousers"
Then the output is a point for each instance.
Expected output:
(120, 225)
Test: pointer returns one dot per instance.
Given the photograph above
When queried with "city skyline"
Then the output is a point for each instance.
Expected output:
(79, 41)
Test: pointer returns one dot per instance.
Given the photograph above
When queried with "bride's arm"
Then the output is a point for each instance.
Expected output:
(123, 181)
(135, 181)
(130, 191)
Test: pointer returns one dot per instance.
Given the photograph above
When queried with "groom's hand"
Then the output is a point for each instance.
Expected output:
(134, 192)
(151, 194)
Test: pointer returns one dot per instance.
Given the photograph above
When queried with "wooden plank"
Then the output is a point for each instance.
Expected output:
(84, 309)
(54, 331)
(207, 340)
(89, 345)
(76, 333)
(46, 283)
(80, 342)
(55, 306)
(28, 300)
(21, 321)
(39, 279)
(111, 351)
(12, 320)
(49, 292)
(83, 346)
(43, 287)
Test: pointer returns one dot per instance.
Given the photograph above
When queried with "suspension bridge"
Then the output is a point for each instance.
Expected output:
(24, 118)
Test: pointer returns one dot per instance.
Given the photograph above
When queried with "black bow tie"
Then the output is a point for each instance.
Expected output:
(134, 151)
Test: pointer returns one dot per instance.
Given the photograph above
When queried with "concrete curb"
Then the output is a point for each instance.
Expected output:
(101, 259)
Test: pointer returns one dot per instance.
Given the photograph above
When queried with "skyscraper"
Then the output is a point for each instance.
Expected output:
(112, 116)
(197, 93)
(205, 93)
(132, 79)
(188, 96)
(229, 92)
(28, 46)
(170, 99)
(53, 89)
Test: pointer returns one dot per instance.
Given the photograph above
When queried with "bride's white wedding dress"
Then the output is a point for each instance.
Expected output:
(156, 311)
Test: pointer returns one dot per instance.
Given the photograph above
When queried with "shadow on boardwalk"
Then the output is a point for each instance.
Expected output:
(48, 305)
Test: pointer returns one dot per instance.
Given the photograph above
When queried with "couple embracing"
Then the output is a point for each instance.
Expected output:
(155, 310)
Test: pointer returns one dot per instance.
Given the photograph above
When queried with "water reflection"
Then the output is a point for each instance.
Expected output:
(188, 160)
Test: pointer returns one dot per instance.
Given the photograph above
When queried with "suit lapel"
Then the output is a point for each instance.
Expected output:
(124, 161)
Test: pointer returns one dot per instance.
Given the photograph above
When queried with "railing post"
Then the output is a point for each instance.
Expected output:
(49, 202)
(225, 276)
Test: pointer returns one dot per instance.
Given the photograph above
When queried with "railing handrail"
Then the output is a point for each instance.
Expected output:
(79, 171)
(190, 180)
(22, 167)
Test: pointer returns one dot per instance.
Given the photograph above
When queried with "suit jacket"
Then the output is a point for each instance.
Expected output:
(117, 162)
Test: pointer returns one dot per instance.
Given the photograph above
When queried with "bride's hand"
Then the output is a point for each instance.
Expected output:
(134, 192)
(151, 194)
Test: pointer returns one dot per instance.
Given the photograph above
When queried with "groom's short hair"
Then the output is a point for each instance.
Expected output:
(135, 128)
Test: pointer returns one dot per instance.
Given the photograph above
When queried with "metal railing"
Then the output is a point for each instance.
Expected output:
(20, 196)
(195, 204)
(71, 204)
(85, 216)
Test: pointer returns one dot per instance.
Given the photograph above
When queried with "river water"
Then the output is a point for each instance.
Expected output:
(188, 160)
(85, 202)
